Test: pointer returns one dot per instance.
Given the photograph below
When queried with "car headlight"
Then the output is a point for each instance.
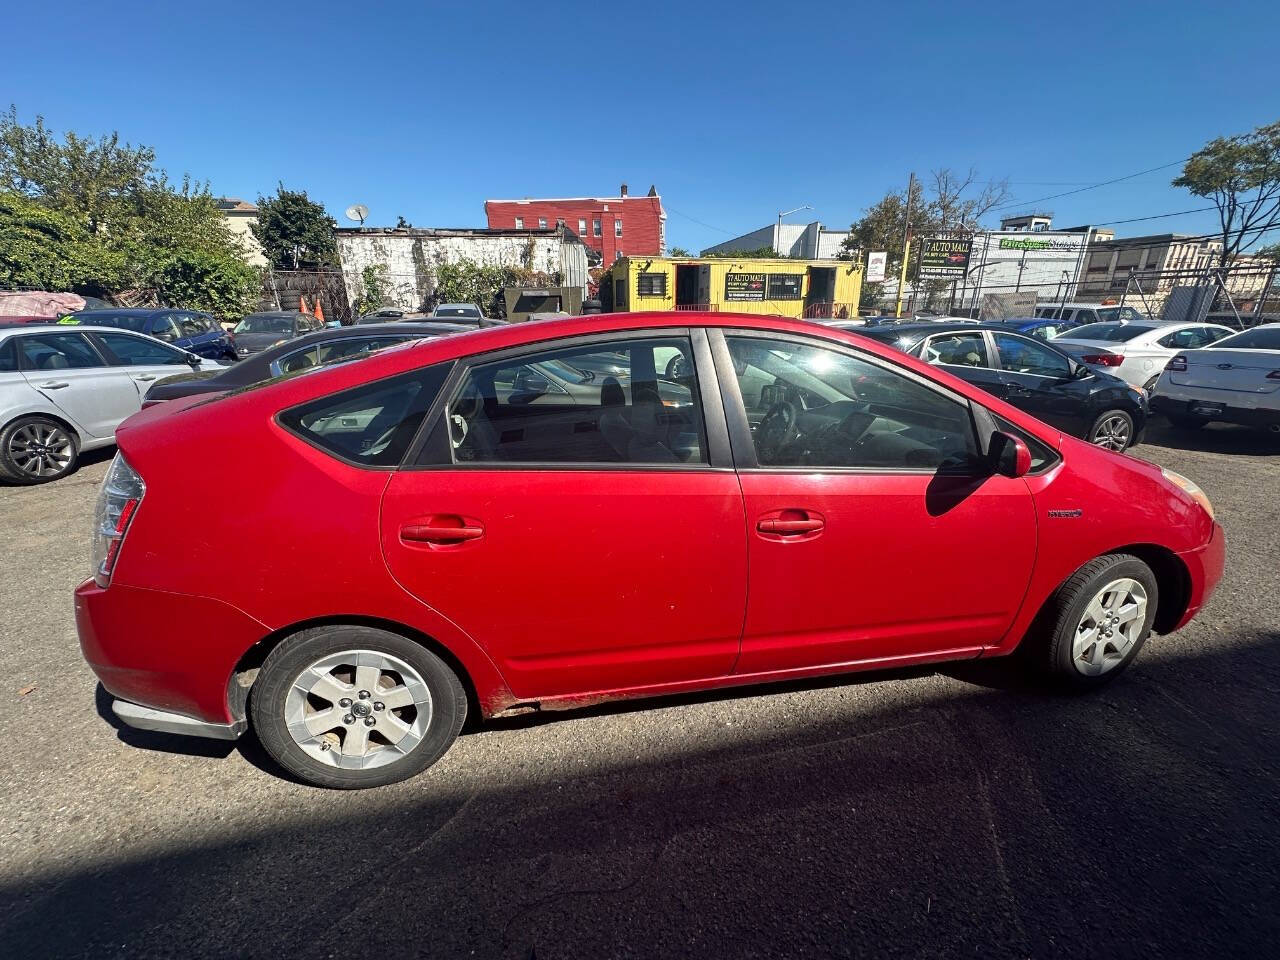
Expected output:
(1190, 488)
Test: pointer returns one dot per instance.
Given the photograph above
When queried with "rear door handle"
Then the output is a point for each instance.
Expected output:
(792, 524)
(144, 377)
(54, 385)
(442, 530)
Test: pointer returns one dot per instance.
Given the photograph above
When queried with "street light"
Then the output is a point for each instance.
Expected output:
(777, 233)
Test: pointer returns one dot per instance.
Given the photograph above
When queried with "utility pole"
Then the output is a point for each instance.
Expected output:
(777, 233)
(906, 244)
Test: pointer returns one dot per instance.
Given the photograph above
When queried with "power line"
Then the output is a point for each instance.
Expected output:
(700, 223)
(1094, 186)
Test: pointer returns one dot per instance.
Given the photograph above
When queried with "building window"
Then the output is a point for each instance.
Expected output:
(617, 228)
(651, 285)
(542, 223)
(560, 222)
(519, 223)
(582, 227)
(595, 228)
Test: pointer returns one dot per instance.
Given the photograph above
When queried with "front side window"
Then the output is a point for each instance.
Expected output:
(809, 406)
(1022, 355)
(192, 324)
(626, 401)
(1047, 332)
(58, 351)
(371, 425)
(957, 349)
(138, 351)
(166, 328)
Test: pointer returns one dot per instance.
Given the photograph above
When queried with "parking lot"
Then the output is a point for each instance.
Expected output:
(955, 811)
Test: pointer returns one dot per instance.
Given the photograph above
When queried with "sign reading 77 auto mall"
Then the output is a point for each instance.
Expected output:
(945, 258)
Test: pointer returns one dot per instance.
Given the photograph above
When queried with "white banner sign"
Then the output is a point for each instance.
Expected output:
(875, 266)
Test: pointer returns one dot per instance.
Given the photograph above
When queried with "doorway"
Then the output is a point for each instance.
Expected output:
(822, 287)
(687, 286)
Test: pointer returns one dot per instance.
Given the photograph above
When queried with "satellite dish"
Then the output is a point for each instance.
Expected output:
(357, 211)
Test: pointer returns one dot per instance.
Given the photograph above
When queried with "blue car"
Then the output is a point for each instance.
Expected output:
(190, 330)
(1043, 328)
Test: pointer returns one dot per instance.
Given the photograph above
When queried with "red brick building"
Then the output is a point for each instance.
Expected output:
(612, 226)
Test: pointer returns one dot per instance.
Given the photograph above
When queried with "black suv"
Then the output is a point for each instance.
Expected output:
(1029, 374)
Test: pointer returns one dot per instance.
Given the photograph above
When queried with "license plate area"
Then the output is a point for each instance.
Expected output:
(1206, 409)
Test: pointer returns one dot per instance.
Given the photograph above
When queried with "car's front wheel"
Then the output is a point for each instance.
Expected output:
(353, 706)
(37, 449)
(1098, 620)
(1112, 430)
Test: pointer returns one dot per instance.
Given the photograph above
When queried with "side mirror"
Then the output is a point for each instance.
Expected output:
(1008, 456)
(194, 359)
(528, 382)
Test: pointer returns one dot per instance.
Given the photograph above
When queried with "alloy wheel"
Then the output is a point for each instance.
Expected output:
(1112, 433)
(1109, 627)
(41, 449)
(358, 709)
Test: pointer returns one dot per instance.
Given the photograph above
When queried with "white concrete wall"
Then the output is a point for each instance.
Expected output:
(411, 259)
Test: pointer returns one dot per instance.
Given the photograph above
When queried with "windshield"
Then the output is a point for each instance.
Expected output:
(1114, 332)
(265, 324)
(1263, 338)
(456, 311)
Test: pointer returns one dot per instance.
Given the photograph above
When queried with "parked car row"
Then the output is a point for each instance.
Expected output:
(714, 483)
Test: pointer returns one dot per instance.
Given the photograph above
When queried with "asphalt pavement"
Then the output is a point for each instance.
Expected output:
(955, 812)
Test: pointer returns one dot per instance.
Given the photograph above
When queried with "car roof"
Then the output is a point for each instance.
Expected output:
(374, 330)
(68, 328)
(456, 306)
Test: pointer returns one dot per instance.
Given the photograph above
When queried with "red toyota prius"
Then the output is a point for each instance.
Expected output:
(540, 516)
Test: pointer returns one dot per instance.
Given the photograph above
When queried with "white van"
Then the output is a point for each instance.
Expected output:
(1076, 314)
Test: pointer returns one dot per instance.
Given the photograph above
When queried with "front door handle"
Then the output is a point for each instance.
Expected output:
(790, 525)
(54, 385)
(144, 377)
(442, 530)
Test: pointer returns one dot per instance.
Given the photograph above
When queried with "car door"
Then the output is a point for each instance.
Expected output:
(68, 370)
(146, 359)
(589, 546)
(873, 535)
(966, 354)
(1040, 380)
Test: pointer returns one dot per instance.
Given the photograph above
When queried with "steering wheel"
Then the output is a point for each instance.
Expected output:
(776, 430)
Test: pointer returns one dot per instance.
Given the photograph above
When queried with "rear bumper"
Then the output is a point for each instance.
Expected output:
(1193, 405)
(1205, 566)
(169, 653)
(147, 718)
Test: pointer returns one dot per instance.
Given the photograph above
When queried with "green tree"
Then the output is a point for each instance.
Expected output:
(373, 280)
(295, 232)
(96, 217)
(1270, 252)
(679, 252)
(756, 253)
(1241, 175)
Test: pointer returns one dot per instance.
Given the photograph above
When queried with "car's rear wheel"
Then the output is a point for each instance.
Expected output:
(354, 706)
(1112, 430)
(37, 449)
(1098, 620)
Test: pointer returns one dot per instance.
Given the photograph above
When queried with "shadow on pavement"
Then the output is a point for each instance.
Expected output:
(1213, 438)
(1136, 822)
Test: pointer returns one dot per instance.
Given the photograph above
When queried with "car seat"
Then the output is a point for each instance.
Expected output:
(613, 420)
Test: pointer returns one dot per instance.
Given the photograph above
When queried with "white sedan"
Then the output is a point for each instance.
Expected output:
(1237, 380)
(1137, 352)
(66, 389)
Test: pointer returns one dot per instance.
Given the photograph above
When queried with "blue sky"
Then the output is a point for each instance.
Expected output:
(734, 111)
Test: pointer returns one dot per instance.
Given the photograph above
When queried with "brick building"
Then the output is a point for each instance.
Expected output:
(613, 227)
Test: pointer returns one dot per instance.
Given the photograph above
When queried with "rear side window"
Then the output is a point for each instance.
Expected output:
(58, 351)
(1115, 332)
(141, 351)
(957, 349)
(373, 424)
(8, 357)
(1260, 338)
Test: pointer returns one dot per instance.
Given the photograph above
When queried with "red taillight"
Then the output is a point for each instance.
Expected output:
(1103, 359)
(113, 547)
(1178, 364)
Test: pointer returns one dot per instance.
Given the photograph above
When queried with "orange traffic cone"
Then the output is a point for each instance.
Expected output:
(302, 304)
(319, 311)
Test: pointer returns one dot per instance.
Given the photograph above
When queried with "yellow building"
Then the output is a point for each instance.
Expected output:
(787, 288)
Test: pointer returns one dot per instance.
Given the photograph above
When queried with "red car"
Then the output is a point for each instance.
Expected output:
(542, 516)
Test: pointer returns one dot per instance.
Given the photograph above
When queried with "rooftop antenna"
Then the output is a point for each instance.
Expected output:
(358, 211)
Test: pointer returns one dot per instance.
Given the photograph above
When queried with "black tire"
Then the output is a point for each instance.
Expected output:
(1185, 421)
(10, 440)
(1111, 416)
(1054, 646)
(268, 697)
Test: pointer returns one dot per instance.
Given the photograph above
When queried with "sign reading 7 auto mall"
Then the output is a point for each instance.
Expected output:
(944, 257)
